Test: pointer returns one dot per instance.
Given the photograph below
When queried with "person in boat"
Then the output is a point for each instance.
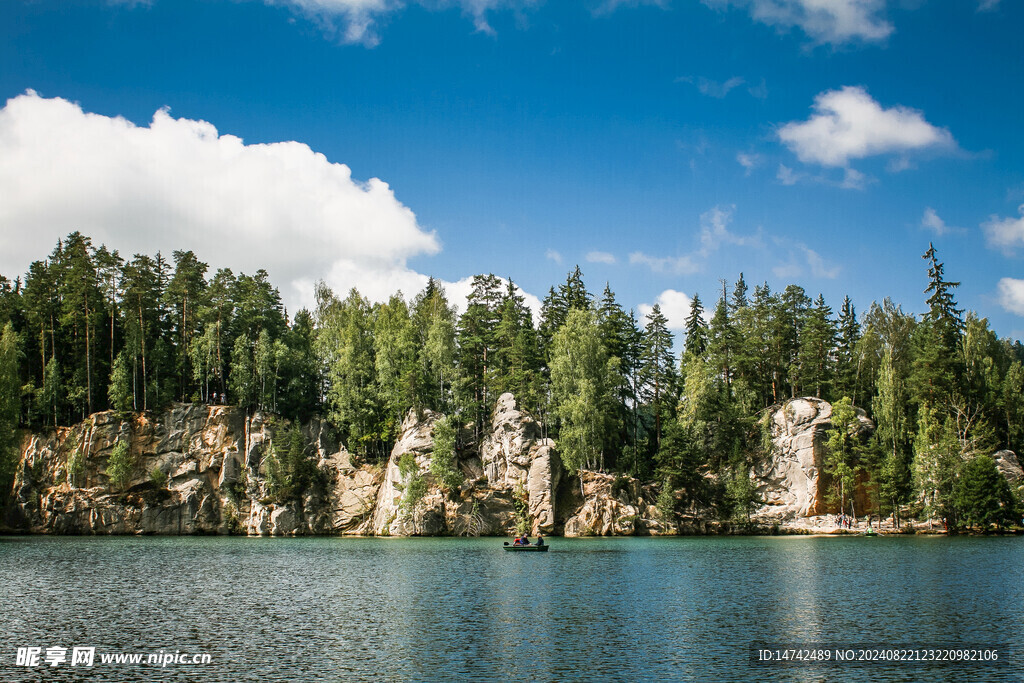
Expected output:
(540, 541)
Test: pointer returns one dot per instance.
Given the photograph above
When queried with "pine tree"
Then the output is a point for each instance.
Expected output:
(696, 328)
(183, 295)
(817, 350)
(846, 351)
(10, 406)
(395, 358)
(658, 369)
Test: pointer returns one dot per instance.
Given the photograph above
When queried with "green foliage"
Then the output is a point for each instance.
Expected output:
(120, 465)
(443, 463)
(842, 453)
(158, 478)
(119, 391)
(10, 406)
(75, 466)
(415, 485)
(982, 496)
(88, 330)
(740, 495)
(666, 502)
(521, 509)
(582, 379)
(232, 520)
(290, 473)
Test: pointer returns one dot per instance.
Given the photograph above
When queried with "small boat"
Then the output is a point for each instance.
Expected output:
(527, 548)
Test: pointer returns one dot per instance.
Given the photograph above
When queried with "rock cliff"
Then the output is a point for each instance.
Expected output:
(209, 470)
(194, 469)
(789, 481)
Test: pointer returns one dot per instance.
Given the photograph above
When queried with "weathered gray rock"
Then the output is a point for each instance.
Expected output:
(1009, 466)
(214, 460)
(790, 482)
(516, 457)
(613, 506)
(390, 517)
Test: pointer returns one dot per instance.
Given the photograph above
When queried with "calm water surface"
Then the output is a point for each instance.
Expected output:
(622, 609)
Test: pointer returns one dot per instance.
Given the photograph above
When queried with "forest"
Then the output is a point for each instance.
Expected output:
(86, 330)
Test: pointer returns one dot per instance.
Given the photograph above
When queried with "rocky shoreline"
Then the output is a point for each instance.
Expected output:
(198, 469)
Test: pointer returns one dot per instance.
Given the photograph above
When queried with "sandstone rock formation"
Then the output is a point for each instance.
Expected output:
(213, 462)
(1009, 466)
(517, 458)
(790, 480)
(613, 506)
(205, 470)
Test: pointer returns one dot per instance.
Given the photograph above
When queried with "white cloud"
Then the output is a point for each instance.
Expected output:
(1011, 295)
(719, 90)
(358, 21)
(849, 124)
(179, 184)
(675, 306)
(1005, 233)
(825, 21)
(600, 257)
(553, 255)
(677, 265)
(853, 180)
(460, 290)
(611, 5)
(932, 221)
(787, 176)
(817, 264)
(748, 161)
(800, 255)
(714, 232)
(987, 5)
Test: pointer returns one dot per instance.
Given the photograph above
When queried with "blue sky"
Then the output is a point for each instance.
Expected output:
(663, 146)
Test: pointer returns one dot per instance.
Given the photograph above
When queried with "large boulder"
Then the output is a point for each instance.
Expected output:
(789, 481)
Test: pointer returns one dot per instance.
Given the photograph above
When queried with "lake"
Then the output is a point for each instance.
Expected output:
(618, 609)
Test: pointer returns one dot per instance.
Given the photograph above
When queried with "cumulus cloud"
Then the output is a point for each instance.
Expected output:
(675, 306)
(358, 21)
(600, 257)
(1011, 295)
(180, 184)
(849, 124)
(1005, 233)
(987, 5)
(824, 21)
(553, 255)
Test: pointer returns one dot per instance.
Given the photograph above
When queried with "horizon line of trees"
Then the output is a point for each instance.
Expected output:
(88, 330)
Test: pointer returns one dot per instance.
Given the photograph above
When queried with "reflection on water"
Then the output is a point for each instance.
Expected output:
(430, 609)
